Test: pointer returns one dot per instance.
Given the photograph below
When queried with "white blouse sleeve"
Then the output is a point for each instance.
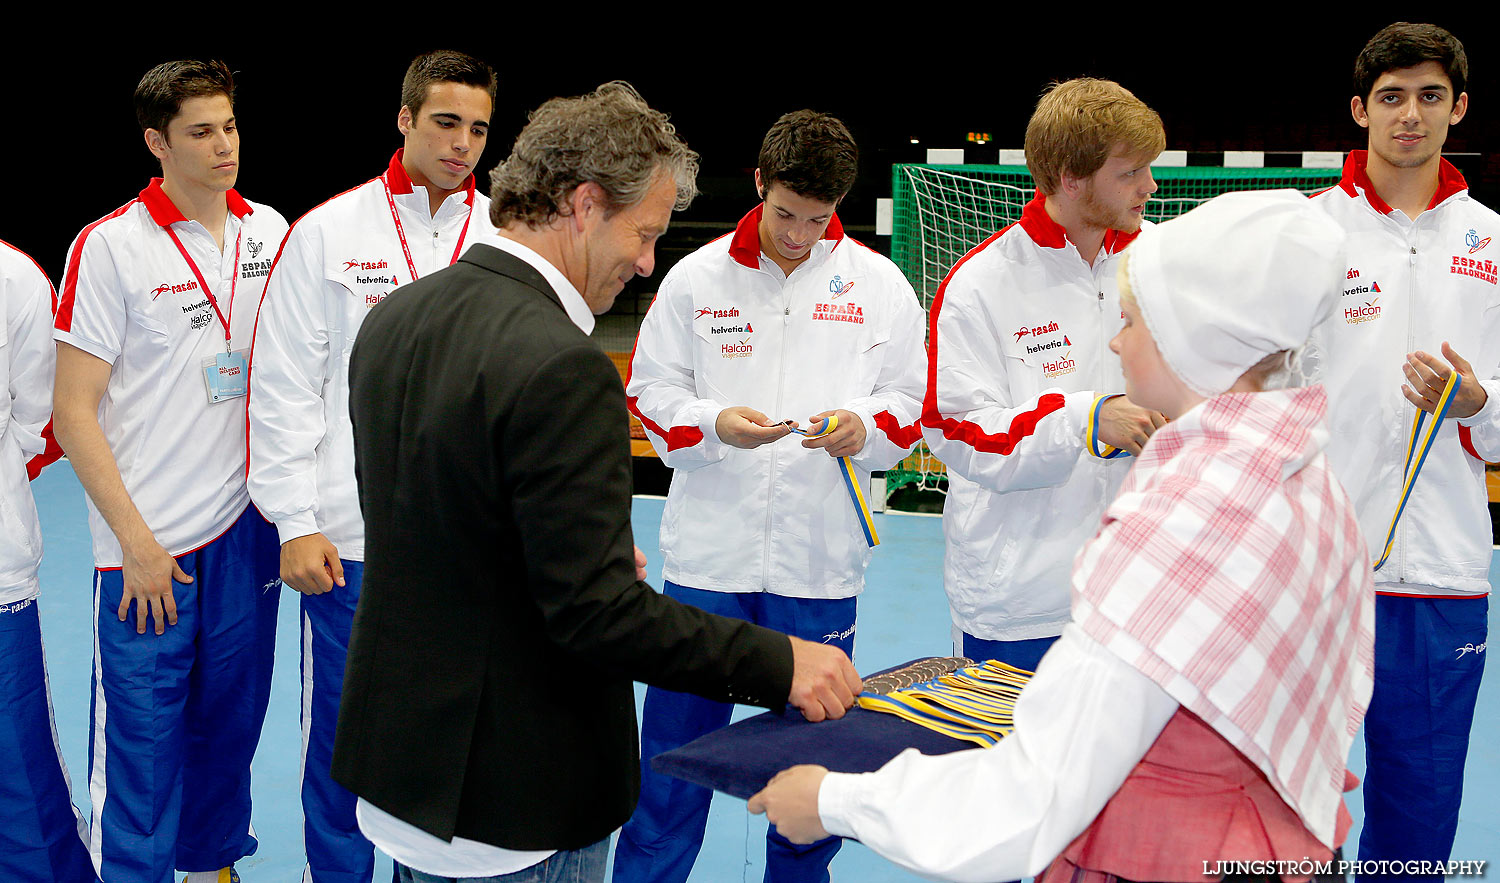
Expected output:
(1006, 812)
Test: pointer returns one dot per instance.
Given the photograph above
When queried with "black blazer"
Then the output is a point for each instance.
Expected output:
(488, 689)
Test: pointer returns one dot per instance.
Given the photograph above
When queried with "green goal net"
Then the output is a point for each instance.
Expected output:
(940, 212)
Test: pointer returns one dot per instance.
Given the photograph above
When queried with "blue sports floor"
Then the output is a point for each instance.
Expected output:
(903, 614)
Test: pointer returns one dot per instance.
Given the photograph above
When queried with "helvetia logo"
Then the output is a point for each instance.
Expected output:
(740, 350)
(1060, 367)
(1473, 241)
(190, 285)
(1477, 269)
(1372, 288)
(732, 329)
(1366, 312)
(365, 265)
(731, 313)
(838, 287)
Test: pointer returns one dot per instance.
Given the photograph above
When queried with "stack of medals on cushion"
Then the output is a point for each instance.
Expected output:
(951, 695)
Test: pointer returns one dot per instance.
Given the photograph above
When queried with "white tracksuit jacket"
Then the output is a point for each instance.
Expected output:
(1019, 350)
(28, 360)
(726, 329)
(1411, 285)
(338, 261)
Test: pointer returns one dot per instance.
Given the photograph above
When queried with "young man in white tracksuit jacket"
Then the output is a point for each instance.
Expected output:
(1419, 300)
(1019, 355)
(339, 260)
(786, 319)
(44, 837)
(153, 327)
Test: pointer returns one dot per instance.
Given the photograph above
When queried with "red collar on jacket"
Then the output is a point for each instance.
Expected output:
(1356, 173)
(745, 246)
(400, 182)
(1049, 234)
(165, 213)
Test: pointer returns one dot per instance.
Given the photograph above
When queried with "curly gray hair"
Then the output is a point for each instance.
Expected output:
(609, 136)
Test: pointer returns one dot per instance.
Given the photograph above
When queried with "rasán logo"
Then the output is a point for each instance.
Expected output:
(731, 313)
(158, 291)
(1473, 241)
(365, 265)
(838, 287)
(1049, 328)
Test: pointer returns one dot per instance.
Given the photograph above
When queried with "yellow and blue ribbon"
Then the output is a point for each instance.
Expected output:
(1416, 455)
(975, 704)
(851, 481)
(1096, 447)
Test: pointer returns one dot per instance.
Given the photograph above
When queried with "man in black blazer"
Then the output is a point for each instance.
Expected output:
(488, 717)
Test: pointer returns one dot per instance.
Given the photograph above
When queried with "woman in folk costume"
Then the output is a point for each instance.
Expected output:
(1200, 705)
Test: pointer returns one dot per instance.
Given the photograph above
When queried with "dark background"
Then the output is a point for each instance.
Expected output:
(318, 99)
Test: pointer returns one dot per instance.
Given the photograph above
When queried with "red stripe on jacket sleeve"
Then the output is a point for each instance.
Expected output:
(972, 434)
(1466, 438)
(677, 437)
(903, 436)
(1022, 425)
(64, 319)
(47, 457)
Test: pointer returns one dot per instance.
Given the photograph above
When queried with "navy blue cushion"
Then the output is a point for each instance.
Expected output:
(742, 757)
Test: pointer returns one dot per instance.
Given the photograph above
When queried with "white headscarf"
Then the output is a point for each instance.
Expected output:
(1239, 277)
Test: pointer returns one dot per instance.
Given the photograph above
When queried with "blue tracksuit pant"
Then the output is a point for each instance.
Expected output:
(176, 716)
(661, 841)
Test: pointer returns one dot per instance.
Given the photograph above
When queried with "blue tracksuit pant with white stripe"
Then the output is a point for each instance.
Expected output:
(336, 851)
(42, 836)
(176, 716)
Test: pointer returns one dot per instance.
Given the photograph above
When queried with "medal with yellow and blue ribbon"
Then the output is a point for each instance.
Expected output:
(851, 483)
(1096, 447)
(1416, 455)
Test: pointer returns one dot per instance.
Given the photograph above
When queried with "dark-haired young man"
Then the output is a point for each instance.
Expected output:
(339, 260)
(153, 330)
(787, 319)
(1419, 302)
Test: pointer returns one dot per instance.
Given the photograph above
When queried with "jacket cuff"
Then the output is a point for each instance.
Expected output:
(1076, 408)
(836, 796)
(302, 524)
(1487, 410)
(708, 423)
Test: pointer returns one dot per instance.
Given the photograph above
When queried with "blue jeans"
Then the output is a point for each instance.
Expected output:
(584, 865)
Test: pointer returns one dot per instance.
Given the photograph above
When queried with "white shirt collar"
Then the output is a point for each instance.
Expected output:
(572, 301)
